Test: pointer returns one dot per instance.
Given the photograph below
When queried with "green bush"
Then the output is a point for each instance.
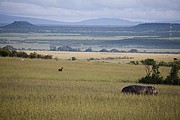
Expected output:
(13, 53)
(148, 61)
(4, 52)
(9, 51)
(22, 54)
(134, 62)
(46, 57)
(173, 78)
(153, 75)
(167, 64)
(33, 55)
(74, 58)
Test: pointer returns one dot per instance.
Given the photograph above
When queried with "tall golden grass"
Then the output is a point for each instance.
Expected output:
(34, 89)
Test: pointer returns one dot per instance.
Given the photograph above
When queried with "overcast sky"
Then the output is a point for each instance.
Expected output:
(77, 10)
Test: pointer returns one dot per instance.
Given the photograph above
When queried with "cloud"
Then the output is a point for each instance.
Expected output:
(76, 10)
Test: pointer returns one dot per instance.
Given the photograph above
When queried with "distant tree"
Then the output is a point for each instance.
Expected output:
(167, 64)
(22, 54)
(148, 61)
(133, 51)
(4, 52)
(134, 62)
(74, 58)
(114, 50)
(39, 56)
(9, 47)
(33, 55)
(13, 53)
(103, 50)
(47, 57)
(53, 48)
(88, 50)
(67, 48)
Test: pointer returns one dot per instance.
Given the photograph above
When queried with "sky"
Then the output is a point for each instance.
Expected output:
(78, 10)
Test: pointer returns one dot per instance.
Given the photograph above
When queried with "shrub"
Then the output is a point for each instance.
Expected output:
(13, 53)
(133, 51)
(148, 61)
(22, 54)
(173, 78)
(74, 58)
(153, 75)
(167, 64)
(46, 57)
(134, 62)
(4, 52)
(33, 55)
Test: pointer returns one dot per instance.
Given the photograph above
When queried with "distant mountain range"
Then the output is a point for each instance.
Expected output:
(5, 19)
(146, 36)
(144, 28)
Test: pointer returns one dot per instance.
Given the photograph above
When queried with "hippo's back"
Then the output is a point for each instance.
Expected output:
(128, 89)
(136, 89)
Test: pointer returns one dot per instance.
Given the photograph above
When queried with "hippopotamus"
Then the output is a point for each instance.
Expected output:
(140, 89)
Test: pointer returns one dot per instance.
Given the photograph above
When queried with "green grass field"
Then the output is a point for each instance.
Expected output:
(34, 89)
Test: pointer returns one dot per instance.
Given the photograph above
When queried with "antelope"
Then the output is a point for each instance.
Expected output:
(60, 69)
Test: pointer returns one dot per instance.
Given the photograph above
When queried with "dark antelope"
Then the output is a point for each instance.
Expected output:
(60, 69)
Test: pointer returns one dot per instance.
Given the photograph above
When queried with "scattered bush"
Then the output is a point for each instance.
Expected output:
(22, 54)
(6, 52)
(74, 58)
(134, 62)
(167, 64)
(148, 61)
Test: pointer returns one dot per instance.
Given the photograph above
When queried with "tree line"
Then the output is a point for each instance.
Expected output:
(9, 51)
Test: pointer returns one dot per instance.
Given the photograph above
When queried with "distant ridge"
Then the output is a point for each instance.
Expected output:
(7, 19)
(163, 26)
(108, 21)
(100, 21)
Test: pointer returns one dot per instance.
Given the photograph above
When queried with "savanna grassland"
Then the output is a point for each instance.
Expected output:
(34, 89)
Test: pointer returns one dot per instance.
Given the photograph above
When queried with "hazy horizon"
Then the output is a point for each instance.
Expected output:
(79, 10)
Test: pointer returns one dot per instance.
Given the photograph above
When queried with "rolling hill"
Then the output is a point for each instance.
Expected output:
(9, 19)
(19, 25)
(107, 21)
(101, 21)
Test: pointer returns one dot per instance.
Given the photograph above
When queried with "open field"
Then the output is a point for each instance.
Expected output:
(123, 57)
(58, 36)
(34, 89)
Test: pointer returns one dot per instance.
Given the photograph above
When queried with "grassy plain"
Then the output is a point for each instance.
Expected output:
(34, 89)
(57, 36)
(123, 57)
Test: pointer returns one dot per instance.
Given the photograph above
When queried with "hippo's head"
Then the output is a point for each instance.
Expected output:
(152, 90)
(155, 92)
